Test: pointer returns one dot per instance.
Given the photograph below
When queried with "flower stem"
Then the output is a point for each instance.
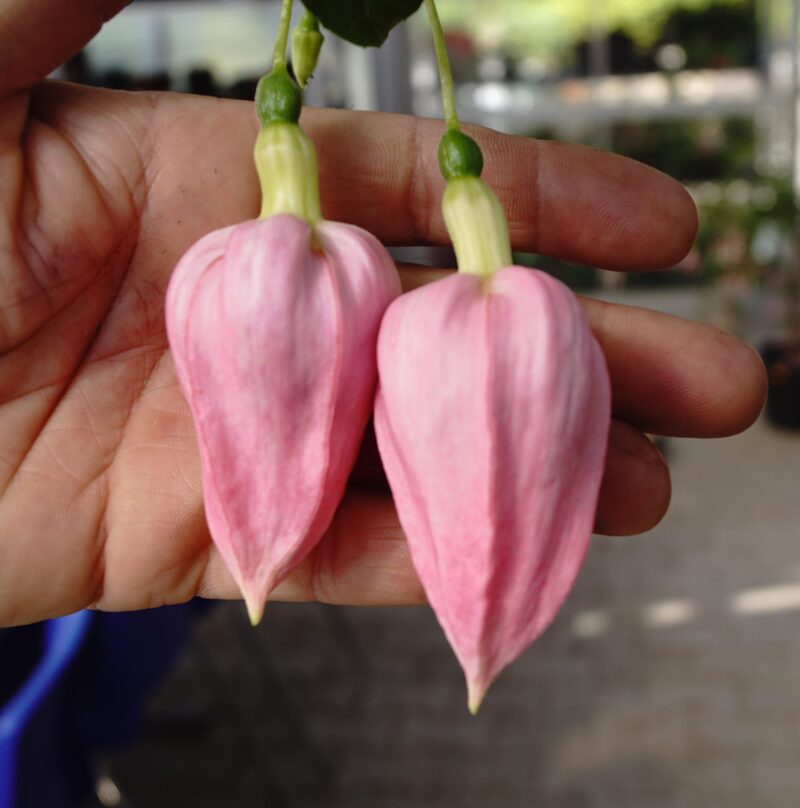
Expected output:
(472, 212)
(445, 73)
(279, 59)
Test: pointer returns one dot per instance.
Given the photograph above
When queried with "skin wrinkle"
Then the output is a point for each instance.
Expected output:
(515, 216)
(182, 591)
(101, 543)
(49, 412)
(137, 321)
(96, 581)
(74, 299)
(130, 174)
(111, 451)
(417, 193)
(132, 179)
(81, 362)
(93, 572)
(16, 464)
(191, 519)
(47, 114)
(115, 242)
(164, 121)
(42, 291)
(147, 297)
(22, 300)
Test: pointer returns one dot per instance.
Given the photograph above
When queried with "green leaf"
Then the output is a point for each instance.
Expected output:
(362, 22)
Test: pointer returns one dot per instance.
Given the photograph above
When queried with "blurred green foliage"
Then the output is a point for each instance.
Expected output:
(747, 221)
(544, 26)
(692, 150)
(719, 36)
(745, 227)
(744, 240)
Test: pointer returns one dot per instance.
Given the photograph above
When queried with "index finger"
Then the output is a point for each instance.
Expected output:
(568, 201)
(379, 171)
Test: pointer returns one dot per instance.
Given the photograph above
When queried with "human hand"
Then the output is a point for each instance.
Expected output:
(100, 194)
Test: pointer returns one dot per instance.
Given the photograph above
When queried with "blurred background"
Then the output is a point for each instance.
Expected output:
(670, 678)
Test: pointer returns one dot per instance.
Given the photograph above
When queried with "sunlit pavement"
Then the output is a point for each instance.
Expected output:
(669, 680)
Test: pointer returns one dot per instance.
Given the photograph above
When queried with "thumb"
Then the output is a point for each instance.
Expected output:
(36, 36)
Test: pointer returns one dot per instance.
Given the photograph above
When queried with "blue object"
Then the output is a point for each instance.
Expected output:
(73, 686)
(127, 656)
(39, 766)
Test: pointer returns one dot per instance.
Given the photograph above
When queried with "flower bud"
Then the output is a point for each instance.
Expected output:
(492, 420)
(307, 42)
(274, 344)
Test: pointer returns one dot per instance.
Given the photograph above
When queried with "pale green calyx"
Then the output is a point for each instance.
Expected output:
(477, 225)
(286, 162)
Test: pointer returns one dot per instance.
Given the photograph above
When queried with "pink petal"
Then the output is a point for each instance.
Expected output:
(492, 421)
(275, 347)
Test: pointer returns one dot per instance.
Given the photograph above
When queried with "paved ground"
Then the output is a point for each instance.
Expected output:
(669, 680)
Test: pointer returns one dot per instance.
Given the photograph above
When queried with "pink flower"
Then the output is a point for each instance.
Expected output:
(492, 420)
(274, 344)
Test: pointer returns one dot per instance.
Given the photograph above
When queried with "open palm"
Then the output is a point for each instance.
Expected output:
(101, 192)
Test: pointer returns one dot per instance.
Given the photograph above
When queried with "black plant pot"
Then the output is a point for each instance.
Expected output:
(783, 371)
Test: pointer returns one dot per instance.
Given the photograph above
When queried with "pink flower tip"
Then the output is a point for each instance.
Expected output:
(476, 692)
(255, 608)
